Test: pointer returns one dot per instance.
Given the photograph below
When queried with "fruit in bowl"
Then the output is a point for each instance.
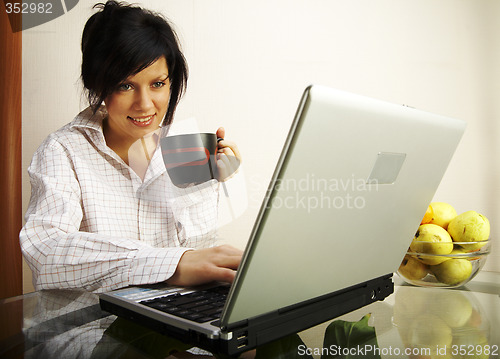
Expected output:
(448, 250)
(470, 227)
(443, 213)
(431, 239)
(453, 271)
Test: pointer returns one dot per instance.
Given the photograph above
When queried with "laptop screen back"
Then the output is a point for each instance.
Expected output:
(354, 180)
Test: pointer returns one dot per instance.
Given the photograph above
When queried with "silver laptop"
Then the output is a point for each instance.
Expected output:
(348, 193)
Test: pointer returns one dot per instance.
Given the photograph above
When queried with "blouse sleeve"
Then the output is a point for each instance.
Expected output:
(62, 256)
(195, 209)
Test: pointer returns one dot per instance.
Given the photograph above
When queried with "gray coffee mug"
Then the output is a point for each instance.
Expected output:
(190, 159)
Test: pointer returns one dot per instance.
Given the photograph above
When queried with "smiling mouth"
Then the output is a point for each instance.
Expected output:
(142, 121)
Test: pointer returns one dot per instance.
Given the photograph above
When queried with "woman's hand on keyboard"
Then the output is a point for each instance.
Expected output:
(207, 265)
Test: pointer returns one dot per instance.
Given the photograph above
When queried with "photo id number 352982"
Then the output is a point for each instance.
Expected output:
(28, 8)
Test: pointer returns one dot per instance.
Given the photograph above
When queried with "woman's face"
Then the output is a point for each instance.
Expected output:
(139, 104)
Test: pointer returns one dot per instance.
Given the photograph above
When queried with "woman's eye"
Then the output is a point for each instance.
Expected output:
(124, 87)
(158, 84)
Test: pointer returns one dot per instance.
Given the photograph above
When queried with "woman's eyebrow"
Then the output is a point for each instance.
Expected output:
(163, 76)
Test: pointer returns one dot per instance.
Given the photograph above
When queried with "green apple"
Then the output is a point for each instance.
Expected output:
(470, 226)
(412, 269)
(452, 272)
(443, 213)
(431, 239)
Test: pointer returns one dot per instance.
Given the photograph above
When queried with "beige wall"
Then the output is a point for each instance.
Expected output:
(250, 61)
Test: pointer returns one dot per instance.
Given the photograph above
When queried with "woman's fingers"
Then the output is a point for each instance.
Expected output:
(207, 265)
(228, 160)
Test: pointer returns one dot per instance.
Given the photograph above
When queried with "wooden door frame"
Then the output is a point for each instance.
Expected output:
(11, 270)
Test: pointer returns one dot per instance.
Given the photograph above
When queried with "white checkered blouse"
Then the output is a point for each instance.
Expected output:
(94, 224)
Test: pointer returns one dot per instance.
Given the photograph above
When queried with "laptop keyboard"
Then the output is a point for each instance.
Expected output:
(200, 306)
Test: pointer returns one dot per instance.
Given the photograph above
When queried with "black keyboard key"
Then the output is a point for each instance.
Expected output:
(173, 310)
(203, 308)
(204, 319)
(194, 316)
(184, 299)
(183, 313)
(213, 312)
(193, 305)
(219, 303)
(159, 306)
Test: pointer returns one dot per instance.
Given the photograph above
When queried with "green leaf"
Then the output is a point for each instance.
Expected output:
(351, 340)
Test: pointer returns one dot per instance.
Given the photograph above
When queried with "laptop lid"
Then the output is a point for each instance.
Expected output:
(353, 181)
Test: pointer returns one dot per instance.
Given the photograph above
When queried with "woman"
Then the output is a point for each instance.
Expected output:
(95, 221)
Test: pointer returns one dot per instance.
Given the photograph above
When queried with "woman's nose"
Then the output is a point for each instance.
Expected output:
(143, 100)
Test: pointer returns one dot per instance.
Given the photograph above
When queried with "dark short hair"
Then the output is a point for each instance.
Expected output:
(121, 40)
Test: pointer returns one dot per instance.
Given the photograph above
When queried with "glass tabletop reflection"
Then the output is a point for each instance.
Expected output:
(413, 322)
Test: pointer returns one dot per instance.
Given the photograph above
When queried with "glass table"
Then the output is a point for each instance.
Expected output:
(413, 322)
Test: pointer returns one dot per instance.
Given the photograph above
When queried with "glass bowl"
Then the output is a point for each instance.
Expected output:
(443, 270)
